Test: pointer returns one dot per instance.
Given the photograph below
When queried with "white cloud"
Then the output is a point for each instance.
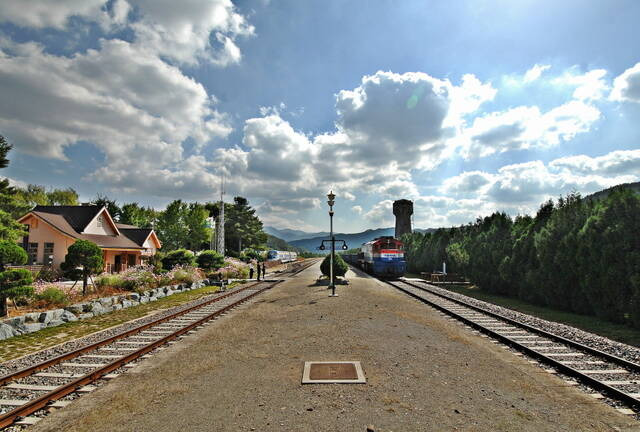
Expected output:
(535, 72)
(467, 183)
(616, 163)
(42, 13)
(626, 86)
(590, 85)
(525, 127)
(357, 209)
(381, 213)
(108, 97)
(184, 33)
(521, 188)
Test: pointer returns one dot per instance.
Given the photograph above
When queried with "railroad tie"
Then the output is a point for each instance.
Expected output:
(13, 402)
(102, 356)
(564, 355)
(629, 382)
(84, 365)
(34, 387)
(604, 371)
(57, 375)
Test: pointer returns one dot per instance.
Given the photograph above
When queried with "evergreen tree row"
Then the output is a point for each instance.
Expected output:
(579, 255)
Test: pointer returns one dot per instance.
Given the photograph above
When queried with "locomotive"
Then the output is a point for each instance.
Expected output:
(282, 256)
(383, 257)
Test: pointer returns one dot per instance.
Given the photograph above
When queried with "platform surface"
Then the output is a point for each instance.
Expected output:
(423, 373)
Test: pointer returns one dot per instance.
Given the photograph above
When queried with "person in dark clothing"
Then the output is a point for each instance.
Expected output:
(251, 272)
(258, 269)
(264, 271)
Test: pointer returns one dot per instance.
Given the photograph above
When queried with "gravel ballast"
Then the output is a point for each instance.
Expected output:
(601, 343)
(243, 373)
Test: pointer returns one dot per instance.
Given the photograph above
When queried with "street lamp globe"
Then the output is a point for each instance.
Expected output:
(331, 197)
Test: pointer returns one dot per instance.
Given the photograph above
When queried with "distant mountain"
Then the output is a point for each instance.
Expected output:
(354, 240)
(289, 234)
(605, 192)
(276, 243)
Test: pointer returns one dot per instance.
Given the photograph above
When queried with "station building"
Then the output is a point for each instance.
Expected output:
(52, 229)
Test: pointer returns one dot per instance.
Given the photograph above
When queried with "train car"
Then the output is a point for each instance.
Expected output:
(282, 256)
(383, 257)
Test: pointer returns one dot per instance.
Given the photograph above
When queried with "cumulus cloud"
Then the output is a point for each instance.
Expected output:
(590, 85)
(108, 97)
(185, 33)
(197, 30)
(626, 86)
(357, 209)
(41, 13)
(521, 188)
(525, 127)
(535, 72)
(616, 163)
(467, 183)
(381, 213)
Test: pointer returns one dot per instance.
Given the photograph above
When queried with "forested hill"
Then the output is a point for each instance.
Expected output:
(635, 187)
(276, 243)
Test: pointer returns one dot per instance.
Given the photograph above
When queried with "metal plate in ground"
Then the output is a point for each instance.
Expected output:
(329, 372)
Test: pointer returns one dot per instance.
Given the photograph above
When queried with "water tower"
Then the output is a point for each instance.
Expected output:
(403, 209)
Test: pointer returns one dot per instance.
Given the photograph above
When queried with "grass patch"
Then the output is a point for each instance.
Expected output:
(617, 332)
(25, 344)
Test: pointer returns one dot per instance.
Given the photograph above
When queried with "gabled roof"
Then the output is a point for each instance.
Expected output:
(138, 235)
(78, 217)
(72, 221)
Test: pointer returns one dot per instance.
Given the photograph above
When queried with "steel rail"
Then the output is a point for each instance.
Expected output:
(29, 370)
(71, 387)
(605, 388)
(612, 358)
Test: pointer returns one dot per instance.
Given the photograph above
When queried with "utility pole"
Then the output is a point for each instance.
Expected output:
(220, 225)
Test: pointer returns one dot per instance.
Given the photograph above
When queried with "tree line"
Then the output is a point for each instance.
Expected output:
(579, 255)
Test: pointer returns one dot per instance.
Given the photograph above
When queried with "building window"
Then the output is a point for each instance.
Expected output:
(48, 254)
(99, 221)
(33, 253)
(131, 261)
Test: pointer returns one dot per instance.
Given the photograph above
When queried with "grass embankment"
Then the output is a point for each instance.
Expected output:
(617, 332)
(25, 344)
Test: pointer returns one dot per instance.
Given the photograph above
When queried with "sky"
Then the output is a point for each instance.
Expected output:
(464, 107)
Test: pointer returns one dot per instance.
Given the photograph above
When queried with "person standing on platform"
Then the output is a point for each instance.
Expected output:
(250, 271)
(264, 271)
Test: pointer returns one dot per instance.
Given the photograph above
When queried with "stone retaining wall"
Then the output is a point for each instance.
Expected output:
(35, 321)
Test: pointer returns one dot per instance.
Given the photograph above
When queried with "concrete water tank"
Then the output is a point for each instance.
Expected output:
(403, 209)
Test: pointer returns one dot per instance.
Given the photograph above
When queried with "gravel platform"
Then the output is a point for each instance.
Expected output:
(243, 372)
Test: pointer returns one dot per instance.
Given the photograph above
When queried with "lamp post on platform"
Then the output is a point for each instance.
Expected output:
(332, 282)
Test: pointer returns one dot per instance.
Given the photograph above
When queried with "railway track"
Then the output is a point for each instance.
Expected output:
(607, 374)
(39, 386)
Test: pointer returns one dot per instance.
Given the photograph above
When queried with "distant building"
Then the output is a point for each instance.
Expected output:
(52, 229)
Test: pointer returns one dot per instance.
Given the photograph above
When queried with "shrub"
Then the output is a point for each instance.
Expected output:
(180, 257)
(108, 280)
(233, 269)
(210, 260)
(48, 274)
(339, 266)
(53, 296)
(15, 284)
(183, 274)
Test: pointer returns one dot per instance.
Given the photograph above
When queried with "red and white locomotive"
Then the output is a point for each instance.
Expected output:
(383, 257)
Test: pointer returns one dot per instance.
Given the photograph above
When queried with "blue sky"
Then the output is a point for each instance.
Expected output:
(465, 107)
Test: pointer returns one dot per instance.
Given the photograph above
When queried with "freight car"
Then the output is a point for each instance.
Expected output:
(383, 257)
(282, 256)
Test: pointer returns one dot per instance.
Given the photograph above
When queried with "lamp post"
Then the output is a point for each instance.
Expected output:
(332, 283)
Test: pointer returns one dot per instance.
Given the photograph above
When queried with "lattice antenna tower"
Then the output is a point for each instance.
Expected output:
(220, 227)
